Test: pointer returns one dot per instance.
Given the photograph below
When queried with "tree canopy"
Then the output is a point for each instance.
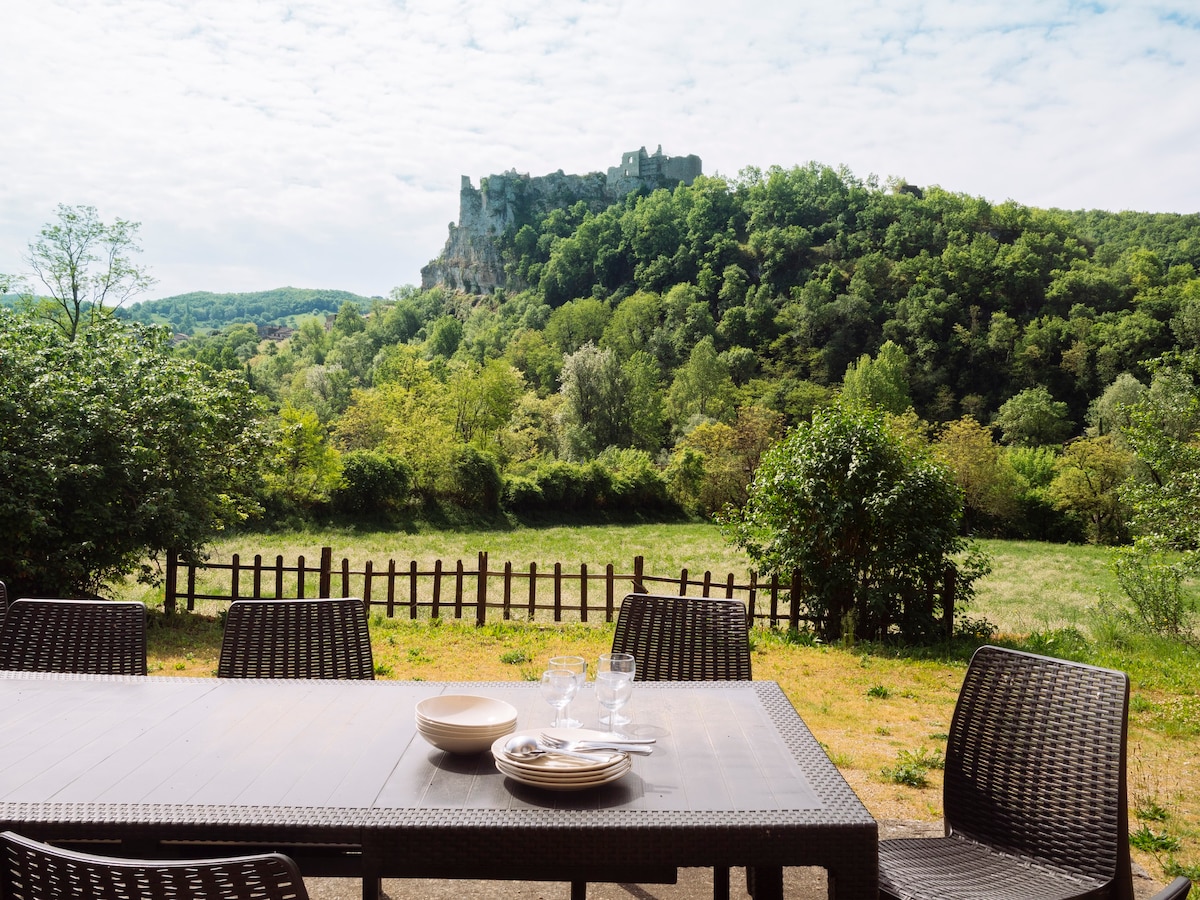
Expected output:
(114, 449)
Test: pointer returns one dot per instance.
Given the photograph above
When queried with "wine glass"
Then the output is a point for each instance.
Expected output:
(615, 671)
(558, 687)
(577, 666)
(613, 690)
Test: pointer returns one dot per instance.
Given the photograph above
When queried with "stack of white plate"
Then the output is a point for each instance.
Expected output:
(461, 723)
(560, 773)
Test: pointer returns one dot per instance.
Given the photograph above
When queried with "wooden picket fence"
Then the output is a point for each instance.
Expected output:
(482, 593)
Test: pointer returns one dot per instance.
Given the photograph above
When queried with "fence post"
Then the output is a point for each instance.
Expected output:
(481, 591)
(235, 565)
(532, 590)
(391, 589)
(458, 589)
(300, 572)
(279, 575)
(558, 592)
(583, 576)
(608, 592)
(172, 573)
(508, 590)
(412, 589)
(366, 597)
(794, 602)
(752, 600)
(257, 576)
(437, 588)
(639, 564)
(326, 571)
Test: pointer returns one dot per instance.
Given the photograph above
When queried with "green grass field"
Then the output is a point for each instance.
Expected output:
(882, 712)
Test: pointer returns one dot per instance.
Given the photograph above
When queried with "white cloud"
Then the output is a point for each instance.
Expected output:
(321, 144)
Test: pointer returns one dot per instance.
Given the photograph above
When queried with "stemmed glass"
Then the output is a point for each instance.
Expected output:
(614, 686)
(558, 687)
(577, 666)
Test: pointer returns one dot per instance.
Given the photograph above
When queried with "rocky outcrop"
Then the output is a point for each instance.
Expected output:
(472, 261)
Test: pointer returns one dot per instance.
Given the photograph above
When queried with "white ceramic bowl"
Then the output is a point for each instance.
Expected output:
(466, 711)
(461, 723)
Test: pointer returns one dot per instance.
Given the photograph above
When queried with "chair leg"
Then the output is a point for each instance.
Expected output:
(578, 890)
(721, 883)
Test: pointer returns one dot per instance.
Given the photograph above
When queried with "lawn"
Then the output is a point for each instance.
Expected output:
(874, 708)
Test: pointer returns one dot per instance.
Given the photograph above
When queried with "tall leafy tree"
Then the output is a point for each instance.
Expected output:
(86, 266)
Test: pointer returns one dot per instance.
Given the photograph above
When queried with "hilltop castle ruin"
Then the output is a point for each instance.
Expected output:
(470, 261)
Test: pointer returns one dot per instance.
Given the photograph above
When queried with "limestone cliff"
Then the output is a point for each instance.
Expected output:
(471, 260)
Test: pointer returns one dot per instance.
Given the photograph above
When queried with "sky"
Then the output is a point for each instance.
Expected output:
(266, 143)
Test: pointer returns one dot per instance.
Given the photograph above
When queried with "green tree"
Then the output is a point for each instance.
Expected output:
(882, 381)
(445, 333)
(114, 450)
(866, 517)
(86, 266)
(991, 487)
(1033, 418)
(303, 469)
(577, 323)
(1108, 414)
(702, 388)
(592, 415)
(1087, 481)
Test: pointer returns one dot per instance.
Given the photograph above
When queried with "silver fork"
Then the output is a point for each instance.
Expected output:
(633, 745)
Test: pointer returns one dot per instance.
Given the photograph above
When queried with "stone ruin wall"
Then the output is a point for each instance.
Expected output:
(470, 262)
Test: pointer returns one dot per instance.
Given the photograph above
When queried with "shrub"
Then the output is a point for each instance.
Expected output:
(372, 482)
(865, 516)
(1157, 588)
(472, 479)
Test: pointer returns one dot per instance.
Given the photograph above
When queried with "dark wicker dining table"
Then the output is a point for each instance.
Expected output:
(335, 774)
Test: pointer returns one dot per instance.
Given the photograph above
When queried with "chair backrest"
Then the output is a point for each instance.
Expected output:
(1176, 890)
(326, 638)
(3, 600)
(1035, 762)
(684, 638)
(88, 637)
(35, 871)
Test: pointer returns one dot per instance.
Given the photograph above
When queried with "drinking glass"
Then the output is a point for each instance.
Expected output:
(613, 690)
(558, 687)
(614, 669)
(577, 666)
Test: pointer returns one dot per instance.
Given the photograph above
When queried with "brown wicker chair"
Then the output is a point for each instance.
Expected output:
(88, 637)
(1034, 796)
(686, 639)
(1176, 890)
(326, 638)
(3, 600)
(35, 871)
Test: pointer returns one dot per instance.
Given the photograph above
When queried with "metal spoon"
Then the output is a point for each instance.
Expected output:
(526, 746)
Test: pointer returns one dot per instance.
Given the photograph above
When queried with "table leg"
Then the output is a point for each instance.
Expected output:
(765, 882)
(721, 883)
(578, 890)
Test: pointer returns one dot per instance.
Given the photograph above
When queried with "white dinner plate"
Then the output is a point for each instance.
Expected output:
(551, 764)
(562, 781)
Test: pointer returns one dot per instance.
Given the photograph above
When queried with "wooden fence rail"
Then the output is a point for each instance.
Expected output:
(509, 592)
